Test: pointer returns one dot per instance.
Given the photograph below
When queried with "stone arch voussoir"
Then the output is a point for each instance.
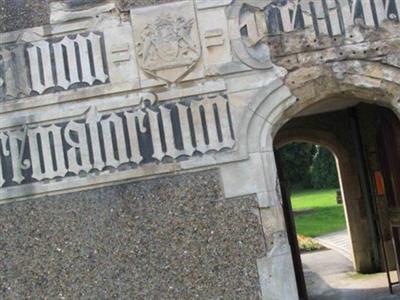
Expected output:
(371, 82)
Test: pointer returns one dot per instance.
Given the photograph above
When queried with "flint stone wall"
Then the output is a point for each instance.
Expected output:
(170, 238)
(15, 15)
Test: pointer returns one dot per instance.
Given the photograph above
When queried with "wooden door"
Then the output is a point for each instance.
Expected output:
(389, 156)
(291, 230)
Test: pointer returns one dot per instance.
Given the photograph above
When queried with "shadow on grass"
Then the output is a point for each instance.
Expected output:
(320, 220)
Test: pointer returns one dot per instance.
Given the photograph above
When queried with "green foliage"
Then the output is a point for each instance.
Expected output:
(307, 244)
(323, 170)
(297, 159)
(316, 212)
(308, 166)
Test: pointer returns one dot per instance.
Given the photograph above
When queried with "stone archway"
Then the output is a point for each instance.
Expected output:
(269, 110)
(350, 187)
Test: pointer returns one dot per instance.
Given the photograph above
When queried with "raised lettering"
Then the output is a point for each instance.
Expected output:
(4, 152)
(135, 123)
(115, 154)
(40, 66)
(66, 62)
(49, 162)
(79, 148)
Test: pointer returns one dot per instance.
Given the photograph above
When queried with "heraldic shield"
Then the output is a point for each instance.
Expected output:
(167, 44)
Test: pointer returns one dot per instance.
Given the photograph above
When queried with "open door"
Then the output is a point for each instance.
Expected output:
(389, 156)
(291, 230)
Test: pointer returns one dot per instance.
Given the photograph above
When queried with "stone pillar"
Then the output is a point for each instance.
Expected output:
(258, 175)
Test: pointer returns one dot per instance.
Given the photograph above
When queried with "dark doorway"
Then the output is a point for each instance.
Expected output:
(388, 139)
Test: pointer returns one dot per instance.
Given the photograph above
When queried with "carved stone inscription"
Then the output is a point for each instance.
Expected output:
(110, 140)
(52, 65)
(324, 17)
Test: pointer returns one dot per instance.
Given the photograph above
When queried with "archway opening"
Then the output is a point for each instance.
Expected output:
(312, 180)
(358, 134)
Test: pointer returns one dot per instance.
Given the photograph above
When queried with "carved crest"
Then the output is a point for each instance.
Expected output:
(168, 46)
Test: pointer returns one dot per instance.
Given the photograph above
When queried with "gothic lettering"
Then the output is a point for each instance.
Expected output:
(3, 140)
(328, 17)
(99, 141)
(79, 148)
(135, 121)
(115, 153)
(40, 66)
(92, 120)
(66, 63)
(16, 144)
(49, 162)
(73, 61)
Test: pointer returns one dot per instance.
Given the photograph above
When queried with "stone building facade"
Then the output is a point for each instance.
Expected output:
(138, 138)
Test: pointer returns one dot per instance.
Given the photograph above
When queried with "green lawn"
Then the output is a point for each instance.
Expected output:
(317, 213)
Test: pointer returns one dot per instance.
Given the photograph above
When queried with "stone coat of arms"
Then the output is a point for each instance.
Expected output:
(169, 46)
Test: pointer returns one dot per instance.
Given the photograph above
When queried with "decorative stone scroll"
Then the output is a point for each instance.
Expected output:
(167, 43)
(52, 65)
(328, 17)
(98, 142)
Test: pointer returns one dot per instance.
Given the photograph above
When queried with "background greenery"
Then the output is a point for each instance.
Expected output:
(310, 173)
(316, 212)
(308, 166)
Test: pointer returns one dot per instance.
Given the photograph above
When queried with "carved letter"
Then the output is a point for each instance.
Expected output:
(97, 57)
(210, 107)
(318, 13)
(131, 118)
(92, 119)
(333, 17)
(52, 153)
(17, 143)
(185, 129)
(120, 157)
(66, 62)
(40, 66)
(79, 149)
(155, 134)
(85, 55)
(169, 134)
(3, 141)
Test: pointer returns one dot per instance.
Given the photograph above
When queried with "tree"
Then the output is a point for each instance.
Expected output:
(323, 170)
(297, 159)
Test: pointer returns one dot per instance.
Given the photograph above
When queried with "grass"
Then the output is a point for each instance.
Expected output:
(316, 212)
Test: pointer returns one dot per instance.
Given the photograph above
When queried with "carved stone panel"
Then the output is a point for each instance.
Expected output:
(167, 40)
(53, 65)
(328, 17)
(98, 142)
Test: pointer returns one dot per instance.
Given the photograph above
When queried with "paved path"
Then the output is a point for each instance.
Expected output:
(338, 241)
(329, 276)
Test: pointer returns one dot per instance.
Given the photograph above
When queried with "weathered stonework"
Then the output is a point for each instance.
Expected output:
(23, 14)
(120, 91)
(128, 4)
